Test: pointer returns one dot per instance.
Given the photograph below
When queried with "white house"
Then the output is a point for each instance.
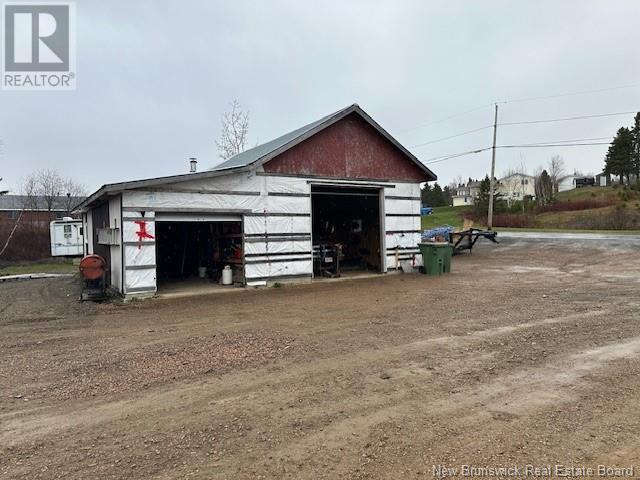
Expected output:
(516, 186)
(466, 194)
(341, 182)
(569, 182)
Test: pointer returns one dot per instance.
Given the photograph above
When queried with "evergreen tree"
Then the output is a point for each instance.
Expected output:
(635, 132)
(437, 196)
(448, 196)
(544, 188)
(425, 195)
(619, 159)
(482, 200)
(433, 196)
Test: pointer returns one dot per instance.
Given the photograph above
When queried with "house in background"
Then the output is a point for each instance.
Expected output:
(569, 182)
(466, 194)
(603, 180)
(338, 190)
(36, 208)
(516, 186)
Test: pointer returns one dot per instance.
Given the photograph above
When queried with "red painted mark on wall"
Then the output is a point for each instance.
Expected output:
(142, 232)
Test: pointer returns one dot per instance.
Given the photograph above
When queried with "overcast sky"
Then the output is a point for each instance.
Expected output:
(154, 78)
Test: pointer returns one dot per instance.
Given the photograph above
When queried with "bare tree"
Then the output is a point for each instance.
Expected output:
(234, 133)
(44, 188)
(556, 171)
(73, 190)
(29, 190)
(3, 192)
(50, 186)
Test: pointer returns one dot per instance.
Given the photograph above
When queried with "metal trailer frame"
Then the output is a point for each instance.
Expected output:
(471, 236)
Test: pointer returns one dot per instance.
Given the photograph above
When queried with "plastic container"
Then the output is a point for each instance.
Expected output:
(202, 272)
(227, 275)
(436, 257)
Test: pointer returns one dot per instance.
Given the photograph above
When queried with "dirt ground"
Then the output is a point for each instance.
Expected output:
(527, 354)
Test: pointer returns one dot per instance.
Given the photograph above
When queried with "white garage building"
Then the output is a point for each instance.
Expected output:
(340, 181)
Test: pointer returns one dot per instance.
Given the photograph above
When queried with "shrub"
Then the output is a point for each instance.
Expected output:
(571, 206)
(513, 220)
(30, 241)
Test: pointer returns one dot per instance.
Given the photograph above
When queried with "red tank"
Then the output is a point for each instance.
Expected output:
(92, 267)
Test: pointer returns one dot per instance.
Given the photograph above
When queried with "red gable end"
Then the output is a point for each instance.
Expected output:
(350, 148)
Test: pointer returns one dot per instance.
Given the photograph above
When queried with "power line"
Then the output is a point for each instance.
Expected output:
(455, 115)
(455, 155)
(450, 136)
(566, 119)
(527, 122)
(571, 94)
(569, 141)
(534, 145)
(519, 100)
(443, 158)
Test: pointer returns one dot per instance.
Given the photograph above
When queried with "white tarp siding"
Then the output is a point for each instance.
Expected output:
(402, 223)
(404, 190)
(141, 280)
(115, 250)
(277, 246)
(402, 232)
(137, 255)
(394, 205)
(264, 216)
(130, 228)
(255, 224)
(138, 252)
(278, 269)
(192, 200)
(403, 240)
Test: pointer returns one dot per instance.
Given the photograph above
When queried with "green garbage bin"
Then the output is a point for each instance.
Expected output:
(447, 255)
(436, 257)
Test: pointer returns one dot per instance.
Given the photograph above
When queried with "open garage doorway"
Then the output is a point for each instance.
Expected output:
(346, 230)
(193, 250)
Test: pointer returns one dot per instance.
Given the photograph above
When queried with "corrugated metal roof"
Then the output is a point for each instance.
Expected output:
(19, 202)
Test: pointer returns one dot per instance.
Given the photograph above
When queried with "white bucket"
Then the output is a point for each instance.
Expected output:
(202, 272)
(227, 275)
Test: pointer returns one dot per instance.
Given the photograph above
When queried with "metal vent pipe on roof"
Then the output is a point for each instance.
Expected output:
(193, 165)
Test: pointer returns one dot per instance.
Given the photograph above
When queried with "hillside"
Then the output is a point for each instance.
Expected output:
(591, 208)
(453, 216)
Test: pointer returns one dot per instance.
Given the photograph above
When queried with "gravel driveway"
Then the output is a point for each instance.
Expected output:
(527, 354)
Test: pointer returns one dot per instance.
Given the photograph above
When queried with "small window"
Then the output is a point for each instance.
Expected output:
(67, 231)
(13, 214)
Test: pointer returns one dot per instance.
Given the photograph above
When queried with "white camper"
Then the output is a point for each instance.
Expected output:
(66, 237)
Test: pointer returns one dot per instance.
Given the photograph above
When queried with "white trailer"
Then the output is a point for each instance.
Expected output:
(67, 238)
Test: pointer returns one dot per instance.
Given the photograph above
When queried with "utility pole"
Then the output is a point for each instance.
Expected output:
(493, 171)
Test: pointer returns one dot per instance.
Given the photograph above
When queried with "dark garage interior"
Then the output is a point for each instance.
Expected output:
(345, 230)
(197, 250)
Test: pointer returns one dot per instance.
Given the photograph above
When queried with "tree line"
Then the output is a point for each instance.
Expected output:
(436, 196)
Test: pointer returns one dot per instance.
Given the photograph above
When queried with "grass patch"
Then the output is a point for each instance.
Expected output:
(41, 267)
(586, 193)
(453, 216)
